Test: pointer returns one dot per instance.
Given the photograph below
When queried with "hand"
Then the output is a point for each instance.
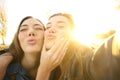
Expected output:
(52, 58)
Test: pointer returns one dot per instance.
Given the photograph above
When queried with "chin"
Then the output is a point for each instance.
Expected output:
(49, 46)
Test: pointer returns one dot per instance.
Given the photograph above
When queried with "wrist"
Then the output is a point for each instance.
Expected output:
(43, 74)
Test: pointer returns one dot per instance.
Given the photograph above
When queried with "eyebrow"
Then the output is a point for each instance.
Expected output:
(61, 22)
(33, 25)
(57, 22)
(38, 25)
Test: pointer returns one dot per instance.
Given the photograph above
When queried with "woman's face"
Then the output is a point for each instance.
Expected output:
(57, 27)
(31, 35)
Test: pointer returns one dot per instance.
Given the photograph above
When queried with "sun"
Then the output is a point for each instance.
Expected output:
(95, 19)
(90, 17)
(84, 37)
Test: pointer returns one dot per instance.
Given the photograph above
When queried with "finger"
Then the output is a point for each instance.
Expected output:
(60, 52)
(62, 47)
(57, 45)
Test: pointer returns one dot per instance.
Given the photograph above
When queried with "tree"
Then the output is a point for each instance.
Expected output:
(3, 21)
(3, 34)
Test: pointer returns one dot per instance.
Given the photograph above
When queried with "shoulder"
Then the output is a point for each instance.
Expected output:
(17, 71)
(14, 67)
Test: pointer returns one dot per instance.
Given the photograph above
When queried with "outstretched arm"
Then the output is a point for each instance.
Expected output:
(5, 59)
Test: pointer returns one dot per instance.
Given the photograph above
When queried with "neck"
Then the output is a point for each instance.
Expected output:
(30, 63)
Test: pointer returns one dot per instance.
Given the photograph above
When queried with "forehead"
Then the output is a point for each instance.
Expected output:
(31, 20)
(59, 18)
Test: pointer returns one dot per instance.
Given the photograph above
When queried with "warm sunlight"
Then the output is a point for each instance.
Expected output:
(91, 16)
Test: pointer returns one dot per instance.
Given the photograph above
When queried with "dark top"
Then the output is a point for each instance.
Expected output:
(16, 72)
(103, 65)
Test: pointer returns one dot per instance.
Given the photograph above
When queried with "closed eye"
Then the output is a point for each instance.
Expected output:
(23, 28)
(38, 27)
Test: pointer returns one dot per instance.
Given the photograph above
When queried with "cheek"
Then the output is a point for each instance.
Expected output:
(65, 33)
(41, 36)
(21, 38)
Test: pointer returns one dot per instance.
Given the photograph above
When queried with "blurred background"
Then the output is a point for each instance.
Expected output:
(95, 20)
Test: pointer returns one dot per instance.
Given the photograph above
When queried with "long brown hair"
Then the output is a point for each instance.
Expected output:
(73, 61)
(15, 48)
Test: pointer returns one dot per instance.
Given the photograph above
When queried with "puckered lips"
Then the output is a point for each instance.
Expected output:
(51, 36)
(31, 41)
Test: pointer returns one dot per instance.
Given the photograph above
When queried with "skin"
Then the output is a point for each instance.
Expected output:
(55, 44)
(56, 34)
(31, 44)
(56, 27)
(52, 58)
(30, 36)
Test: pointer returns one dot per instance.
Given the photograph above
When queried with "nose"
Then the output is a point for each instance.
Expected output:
(31, 32)
(52, 30)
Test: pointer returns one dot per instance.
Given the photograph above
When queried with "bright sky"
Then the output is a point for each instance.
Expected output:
(90, 16)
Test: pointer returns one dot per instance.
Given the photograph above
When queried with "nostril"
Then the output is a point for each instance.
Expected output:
(52, 31)
(32, 34)
(29, 34)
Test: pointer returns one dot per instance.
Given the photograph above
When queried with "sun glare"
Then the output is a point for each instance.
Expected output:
(91, 16)
(99, 18)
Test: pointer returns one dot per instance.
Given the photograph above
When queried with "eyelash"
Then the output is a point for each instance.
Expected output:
(37, 28)
(57, 26)
(23, 29)
(61, 26)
